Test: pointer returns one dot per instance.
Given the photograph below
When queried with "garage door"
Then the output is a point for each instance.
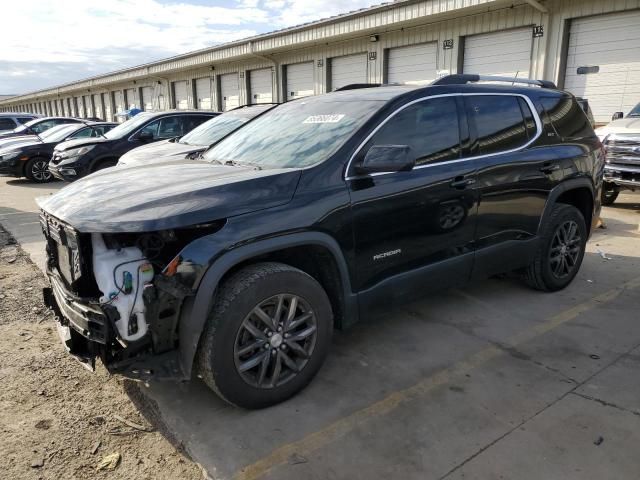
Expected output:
(88, 106)
(106, 101)
(180, 96)
(610, 46)
(147, 99)
(299, 80)
(505, 53)
(80, 107)
(229, 91)
(97, 105)
(348, 69)
(131, 98)
(261, 86)
(203, 93)
(118, 98)
(415, 64)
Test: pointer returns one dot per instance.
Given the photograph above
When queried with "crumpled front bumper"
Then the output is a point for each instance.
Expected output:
(623, 175)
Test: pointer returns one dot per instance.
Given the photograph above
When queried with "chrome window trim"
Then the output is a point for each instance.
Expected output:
(534, 112)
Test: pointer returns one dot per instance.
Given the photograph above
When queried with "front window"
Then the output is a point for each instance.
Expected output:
(23, 128)
(128, 127)
(294, 135)
(58, 133)
(219, 127)
(168, 127)
(635, 111)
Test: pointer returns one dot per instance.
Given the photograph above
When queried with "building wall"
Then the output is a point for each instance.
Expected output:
(395, 25)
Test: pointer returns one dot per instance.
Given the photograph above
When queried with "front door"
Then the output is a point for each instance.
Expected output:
(414, 230)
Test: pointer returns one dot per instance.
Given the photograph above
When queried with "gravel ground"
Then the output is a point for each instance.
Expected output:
(58, 420)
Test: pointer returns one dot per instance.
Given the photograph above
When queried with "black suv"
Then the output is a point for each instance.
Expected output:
(77, 158)
(239, 267)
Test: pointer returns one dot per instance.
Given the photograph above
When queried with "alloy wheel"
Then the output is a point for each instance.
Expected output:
(40, 171)
(275, 341)
(565, 249)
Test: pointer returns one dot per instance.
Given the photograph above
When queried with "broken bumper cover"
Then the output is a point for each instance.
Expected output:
(87, 332)
(623, 175)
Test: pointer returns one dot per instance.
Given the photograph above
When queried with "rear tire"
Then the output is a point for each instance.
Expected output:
(260, 346)
(37, 170)
(610, 192)
(561, 250)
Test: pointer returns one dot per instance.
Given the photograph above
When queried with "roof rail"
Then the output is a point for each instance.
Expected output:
(463, 78)
(353, 86)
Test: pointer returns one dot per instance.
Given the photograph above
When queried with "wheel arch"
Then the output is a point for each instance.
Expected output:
(299, 250)
(578, 192)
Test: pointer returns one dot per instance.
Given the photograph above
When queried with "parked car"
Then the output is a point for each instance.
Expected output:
(238, 268)
(621, 140)
(38, 125)
(77, 158)
(196, 141)
(12, 120)
(31, 158)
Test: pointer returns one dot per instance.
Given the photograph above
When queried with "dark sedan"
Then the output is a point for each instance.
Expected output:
(30, 158)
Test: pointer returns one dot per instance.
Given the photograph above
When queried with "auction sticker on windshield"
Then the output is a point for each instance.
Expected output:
(334, 118)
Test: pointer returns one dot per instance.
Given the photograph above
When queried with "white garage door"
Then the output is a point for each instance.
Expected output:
(261, 86)
(131, 98)
(88, 106)
(180, 96)
(80, 107)
(348, 69)
(106, 101)
(229, 91)
(97, 104)
(415, 64)
(203, 93)
(147, 99)
(610, 45)
(299, 80)
(119, 101)
(500, 53)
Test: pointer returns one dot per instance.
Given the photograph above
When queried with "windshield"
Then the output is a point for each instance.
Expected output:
(59, 132)
(25, 126)
(293, 135)
(635, 112)
(127, 127)
(213, 130)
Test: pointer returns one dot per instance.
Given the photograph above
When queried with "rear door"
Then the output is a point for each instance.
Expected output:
(414, 230)
(514, 181)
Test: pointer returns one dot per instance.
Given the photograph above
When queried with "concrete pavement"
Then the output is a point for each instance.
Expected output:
(490, 381)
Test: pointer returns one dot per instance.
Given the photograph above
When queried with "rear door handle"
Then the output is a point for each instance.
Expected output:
(462, 182)
(549, 168)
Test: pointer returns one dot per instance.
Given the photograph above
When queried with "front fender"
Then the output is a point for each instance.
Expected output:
(196, 308)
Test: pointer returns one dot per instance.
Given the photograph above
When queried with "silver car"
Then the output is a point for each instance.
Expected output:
(11, 120)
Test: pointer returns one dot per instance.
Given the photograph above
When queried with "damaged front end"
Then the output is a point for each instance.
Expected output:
(119, 296)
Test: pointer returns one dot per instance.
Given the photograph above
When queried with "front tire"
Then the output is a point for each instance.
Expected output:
(267, 335)
(610, 192)
(561, 250)
(37, 170)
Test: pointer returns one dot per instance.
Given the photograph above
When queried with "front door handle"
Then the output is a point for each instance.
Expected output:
(462, 182)
(549, 168)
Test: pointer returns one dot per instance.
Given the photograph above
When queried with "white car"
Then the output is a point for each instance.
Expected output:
(621, 139)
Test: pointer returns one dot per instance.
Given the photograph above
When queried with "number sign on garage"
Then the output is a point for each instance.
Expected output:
(180, 95)
(229, 91)
(505, 53)
(603, 62)
(299, 80)
(347, 69)
(261, 86)
(203, 93)
(415, 64)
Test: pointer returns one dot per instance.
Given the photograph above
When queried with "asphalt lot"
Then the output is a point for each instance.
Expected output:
(491, 381)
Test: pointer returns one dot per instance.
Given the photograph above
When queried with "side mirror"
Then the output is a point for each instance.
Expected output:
(144, 136)
(617, 116)
(387, 158)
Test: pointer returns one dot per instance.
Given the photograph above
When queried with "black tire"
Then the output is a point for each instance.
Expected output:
(219, 363)
(546, 274)
(37, 170)
(610, 192)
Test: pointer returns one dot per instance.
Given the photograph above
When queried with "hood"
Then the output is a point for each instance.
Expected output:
(153, 153)
(80, 142)
(13, 146)
(173, 195)
(623, 125)
(5, 142)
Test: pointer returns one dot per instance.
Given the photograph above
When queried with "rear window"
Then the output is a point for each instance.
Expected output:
(567, 117)
(499, 121)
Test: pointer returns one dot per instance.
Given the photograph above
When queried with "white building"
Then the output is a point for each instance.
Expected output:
(589, 47)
